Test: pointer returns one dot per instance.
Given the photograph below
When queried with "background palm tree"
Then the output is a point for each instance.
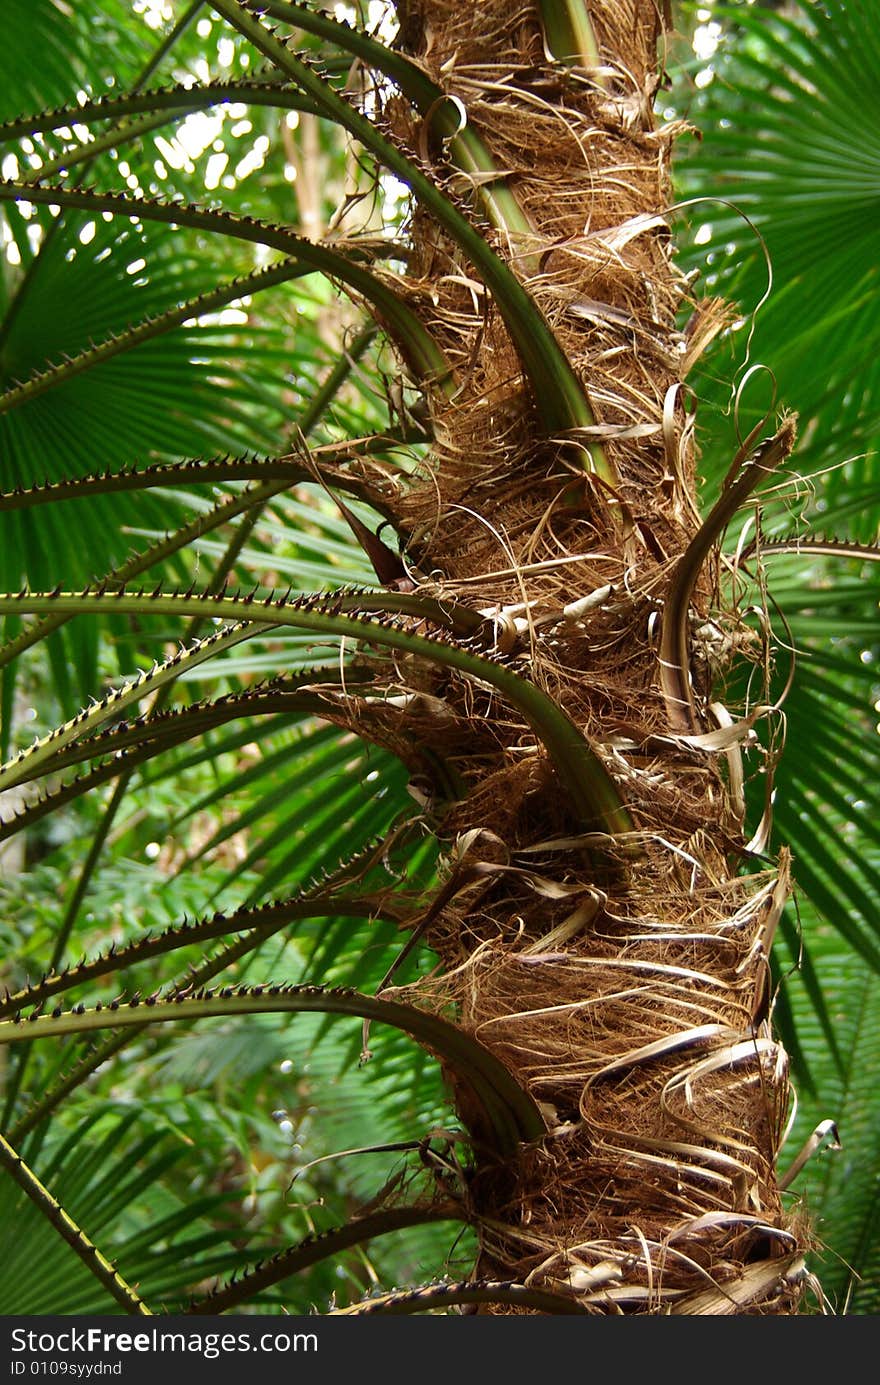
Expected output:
(106, 370)
(787, 121)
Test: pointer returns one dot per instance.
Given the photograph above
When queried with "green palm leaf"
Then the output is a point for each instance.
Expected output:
(111, 1172)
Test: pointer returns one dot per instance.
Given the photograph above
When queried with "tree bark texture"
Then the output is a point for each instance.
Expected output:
(622, 976)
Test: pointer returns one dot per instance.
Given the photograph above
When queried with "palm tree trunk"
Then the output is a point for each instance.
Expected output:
(623, 979)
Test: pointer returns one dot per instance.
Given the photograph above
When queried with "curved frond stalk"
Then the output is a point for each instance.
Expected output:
(252, 504)
(511, 1115)
(446, 119)
(103, 1052)
(225, 510)
(329, 461)
(820, 548)
(560, 400)
(594, 797)
(314, 1249)
(145, 737)
(170, 101)
(416, 344)
(568, 34)
(29, 762)
(259, 923)
(433, 1296)
(62, 1222)
(673, 659)
(122, 764)
(348, 873)
(142, 562)
(76, 740)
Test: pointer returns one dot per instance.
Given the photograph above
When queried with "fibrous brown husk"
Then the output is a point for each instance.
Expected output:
(625, 984)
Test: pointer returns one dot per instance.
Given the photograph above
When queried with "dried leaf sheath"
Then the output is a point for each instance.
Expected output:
(628, 1003)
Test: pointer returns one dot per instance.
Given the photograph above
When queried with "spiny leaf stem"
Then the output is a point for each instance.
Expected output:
(560, 400)
(46, 754)
(446, 117)
(593, 794)
(314, 1249)
(23, 767)
(259, 923)
(432, 1296)
(418, 347)
(172, 100)
(161, 730)
(510, 1111)
(141, 562)
(222, 513)
(159, 106)
(820, 548)
(349, 872)
(288, 469)
(62, 1222)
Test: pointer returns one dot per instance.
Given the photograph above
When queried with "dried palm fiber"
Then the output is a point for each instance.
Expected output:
(627, 988)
